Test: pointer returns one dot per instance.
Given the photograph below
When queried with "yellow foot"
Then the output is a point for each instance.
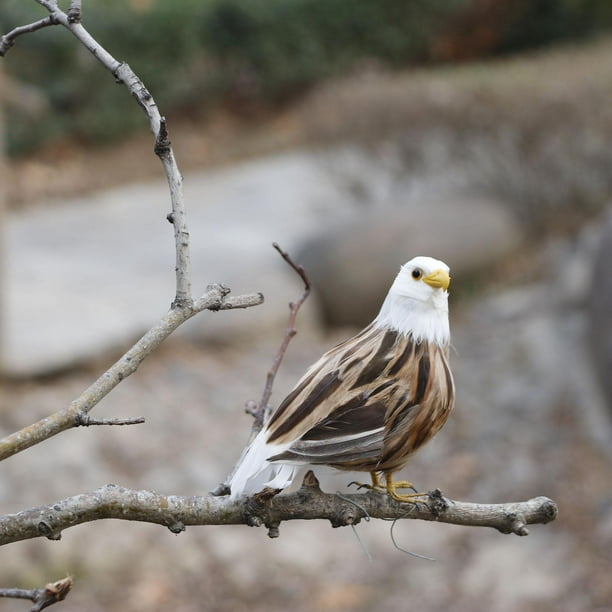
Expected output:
(401, 484)
(408, 498)
(375, 486)
(392, 488)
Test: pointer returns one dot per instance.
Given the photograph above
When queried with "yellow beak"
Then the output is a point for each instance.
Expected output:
(439, 279)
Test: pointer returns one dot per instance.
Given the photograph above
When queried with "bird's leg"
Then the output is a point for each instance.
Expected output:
(375, 486)
(393, 486)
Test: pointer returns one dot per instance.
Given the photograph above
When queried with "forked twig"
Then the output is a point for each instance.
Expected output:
(42, 598)
(8, 40)
(215, 298)
(183, 305)
(260, 412)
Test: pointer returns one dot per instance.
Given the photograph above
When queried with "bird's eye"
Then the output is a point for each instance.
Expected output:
(417, 273)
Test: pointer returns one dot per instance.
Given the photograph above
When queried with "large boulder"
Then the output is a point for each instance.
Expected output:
(600, 305)
(352, 262)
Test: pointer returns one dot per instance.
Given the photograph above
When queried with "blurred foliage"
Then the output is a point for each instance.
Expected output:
(548, 21)
(277, 47)
(246, 54)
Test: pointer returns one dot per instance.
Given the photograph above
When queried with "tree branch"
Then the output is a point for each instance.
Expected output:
(87, 421)
(308, 503)
(261, 410)
(163, 148)
(8, 40)
(215, 298)
(41, 598)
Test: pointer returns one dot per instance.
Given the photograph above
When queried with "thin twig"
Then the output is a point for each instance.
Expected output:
(8, 40)
(50, 5)
(259, 412)
(290, 331)
(87, 421)
(308, 503)
(215, 298)
(42, 598)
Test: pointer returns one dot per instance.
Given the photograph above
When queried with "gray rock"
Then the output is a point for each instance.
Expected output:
(90, 275)
(600, 310)
(353, 261)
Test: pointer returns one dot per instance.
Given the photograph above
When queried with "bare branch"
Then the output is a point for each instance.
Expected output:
(309, 502)
(298, 268)
(294, 307)
(8, 40)
(215, 298)
(163, 148)
(87, 421)
(42, 598)
(183, 306)
(50, 5)
(259, 412)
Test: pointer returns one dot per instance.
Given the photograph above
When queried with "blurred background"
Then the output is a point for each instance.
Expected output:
(357, 135)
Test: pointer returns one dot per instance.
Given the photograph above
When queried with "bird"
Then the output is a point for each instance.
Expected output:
(369, 403)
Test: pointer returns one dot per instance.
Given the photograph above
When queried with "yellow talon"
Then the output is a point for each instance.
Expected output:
(401, 484)
(375, 486)
(390, 487)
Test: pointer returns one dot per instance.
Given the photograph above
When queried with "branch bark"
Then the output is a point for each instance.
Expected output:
(8, 40)
(74, 12)
(215, 298)
(308, 503)
(42, 598)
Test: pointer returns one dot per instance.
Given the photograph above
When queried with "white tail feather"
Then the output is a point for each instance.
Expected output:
(255, 472)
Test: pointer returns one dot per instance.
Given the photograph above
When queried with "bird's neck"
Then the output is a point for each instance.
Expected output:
(422, 320)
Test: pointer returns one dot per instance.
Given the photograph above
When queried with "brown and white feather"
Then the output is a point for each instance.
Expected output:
(370, 402)
(367, 404)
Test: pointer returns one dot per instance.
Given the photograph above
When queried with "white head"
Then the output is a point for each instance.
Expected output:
(417, 303)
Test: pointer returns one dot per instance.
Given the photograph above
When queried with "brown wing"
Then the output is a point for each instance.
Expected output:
(410, 423)
(343, 412)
